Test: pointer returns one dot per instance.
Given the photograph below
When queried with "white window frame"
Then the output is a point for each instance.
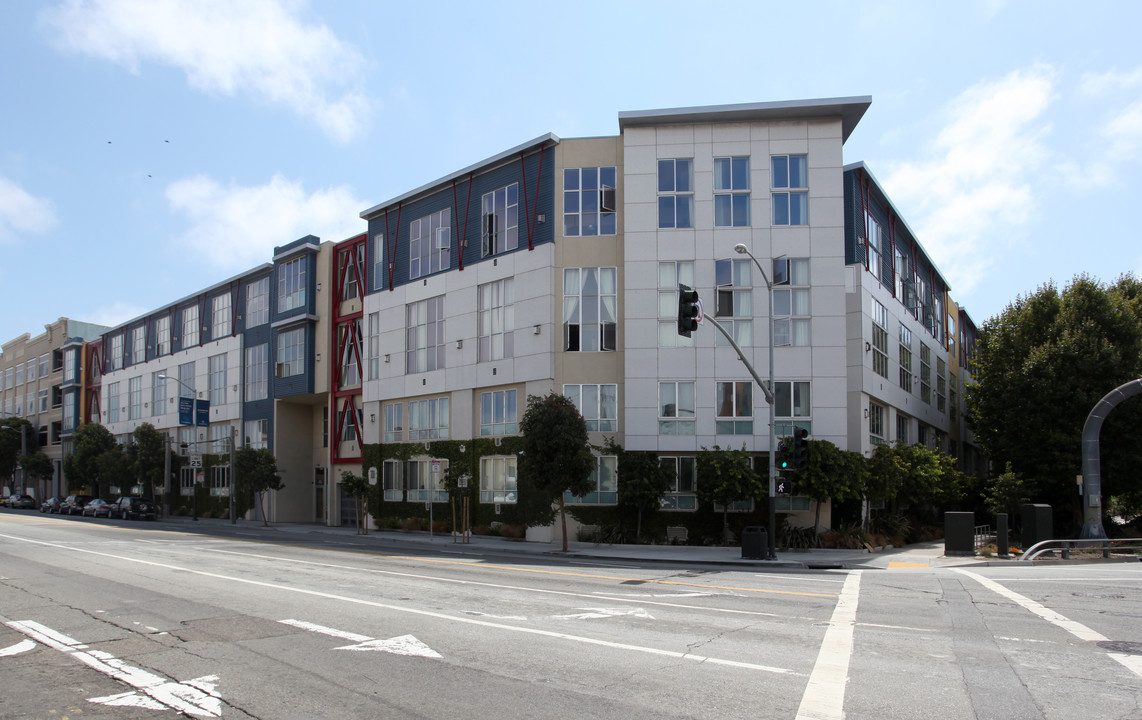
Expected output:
(499, 479)
(162, 335)
(292, 284)
(499, 220)
(879, 344)
(190, 329)
(733, 407)
(597, 403)
(158, 393)
(258, 303)
(135, 398)
(113, 403)
(498, 413)
(673, 419)
(374, 346)
(186, 385)
(590, 309)
(217, 379)
(425, 335)
(220, 316)
(257, 372)
(671, 274)
(394, 421)
(429, 419)
(257, 433)
(116, 356)
(792, 311)
(430, 243)
(496, 323)
(290, 353)
(732, 198)
(734, 300)
(786, 193)
(675, 190)
(605, 478)
(590, 201)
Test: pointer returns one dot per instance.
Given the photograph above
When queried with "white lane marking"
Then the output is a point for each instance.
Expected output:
(403, 645)
(22, 646)
(601, 613)
(824, 697)
(425, 613)
(194, 697)
(1133, 663)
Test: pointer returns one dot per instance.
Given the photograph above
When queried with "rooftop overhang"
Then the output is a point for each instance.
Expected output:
(849, 109)
(509, 155)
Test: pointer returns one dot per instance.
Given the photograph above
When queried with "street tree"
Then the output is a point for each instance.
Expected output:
(358, 488)
(39, 467)
(831, 474)
(256, 473)
(115, 468)
(1040, 367)
(83, 468)
(643, 480)
(12, 446)
(150, 458)
(726, 476)
(556, 458)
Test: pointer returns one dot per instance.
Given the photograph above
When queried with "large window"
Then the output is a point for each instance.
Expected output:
(220, 438)
(220, 316)
(680, 494)
(392, 482)
(876, 415)
(670, 276)
(905, 358)
(374, 346)
(589, 202)
(792, 405)
(676, 408)
(425, 328)
(349, 336)
(941, 385)
(734, 300)
(69, 367)
(925, 373)
(116, 358)
(45, 364)
(879, 339)
(790, 178)
(590, 309)
(875, 244)
(500, 220)
(496, 321)
(186, 387)
(792, 316)
(498, 479)
(258, 303)
(598, 404)
(217, 365)
(676, 193)
(498, 413)
(430, 243)
(257, 433)
(138, 345)
(291, 353)
(394, 422)
(731, 192)
(158, 393)
(257, 372)
(428, 419)
(189, 327)
(352, 266)
(135, 398)
(163, 335)
(113, 403)
(421, 482)
(291, 285)
(378, 261)
(605, 480)
(734, 404)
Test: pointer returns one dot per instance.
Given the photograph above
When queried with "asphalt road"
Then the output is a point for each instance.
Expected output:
(114, 619)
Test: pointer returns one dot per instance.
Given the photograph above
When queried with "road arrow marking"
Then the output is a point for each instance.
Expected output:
(403, 645)
(599, 613)
(194, 697)
(22, 646)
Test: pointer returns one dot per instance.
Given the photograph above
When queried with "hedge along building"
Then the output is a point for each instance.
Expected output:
(554, 266)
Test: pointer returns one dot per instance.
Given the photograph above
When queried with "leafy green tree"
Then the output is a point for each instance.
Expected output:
(725, 477)
(643, 480)
(556, 458)
(150, 458)
(11, 446)
(831, 474)
(256, 473)
(913, 475)
(83, 467)
(359, 488)
(1039, 369)
(115, 467)
(1008, 492)
(38, 466)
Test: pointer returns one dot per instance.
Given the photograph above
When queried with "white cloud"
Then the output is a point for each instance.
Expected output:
(22, 213)
(236, 227)
(1098, 84)
(974, 188)
(227, 48)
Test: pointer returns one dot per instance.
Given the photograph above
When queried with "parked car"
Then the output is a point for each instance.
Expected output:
(22, 502)
(132, 508)
(73, 504)
(51, 505)
(97, 508)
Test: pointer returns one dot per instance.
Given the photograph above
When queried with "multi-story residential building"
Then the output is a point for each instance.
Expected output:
(32, 381)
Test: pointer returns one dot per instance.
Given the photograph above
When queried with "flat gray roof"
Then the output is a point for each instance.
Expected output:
(849, 109)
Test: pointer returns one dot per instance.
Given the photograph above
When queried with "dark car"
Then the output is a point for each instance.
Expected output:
(22, 502)
(73, 504)
(97, 508)
(51, 505)
(132, 508)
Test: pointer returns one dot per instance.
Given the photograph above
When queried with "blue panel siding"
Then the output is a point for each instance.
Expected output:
(465, 204)
(295, 384)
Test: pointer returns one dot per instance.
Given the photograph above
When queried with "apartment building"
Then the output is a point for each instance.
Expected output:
(32, 381)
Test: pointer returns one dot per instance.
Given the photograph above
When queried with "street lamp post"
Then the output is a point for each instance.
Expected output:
(740, 248)
(230, 439)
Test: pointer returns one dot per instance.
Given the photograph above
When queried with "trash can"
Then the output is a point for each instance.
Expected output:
(755, 544)
(1037, 524)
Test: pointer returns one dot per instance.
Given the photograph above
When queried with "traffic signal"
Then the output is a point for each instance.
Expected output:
(687, 310)
(786, 486)
(800, 449)
(783, 457)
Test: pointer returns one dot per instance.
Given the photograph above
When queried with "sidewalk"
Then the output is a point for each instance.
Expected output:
(920, 555)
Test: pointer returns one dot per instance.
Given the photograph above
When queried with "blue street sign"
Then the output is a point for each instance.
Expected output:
(185, 411)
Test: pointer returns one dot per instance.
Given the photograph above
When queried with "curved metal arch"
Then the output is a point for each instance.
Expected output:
(1092, 471)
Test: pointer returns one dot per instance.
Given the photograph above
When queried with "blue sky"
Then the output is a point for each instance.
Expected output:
(150, 148)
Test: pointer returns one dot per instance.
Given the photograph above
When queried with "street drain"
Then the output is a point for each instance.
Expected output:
(1122, 646)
